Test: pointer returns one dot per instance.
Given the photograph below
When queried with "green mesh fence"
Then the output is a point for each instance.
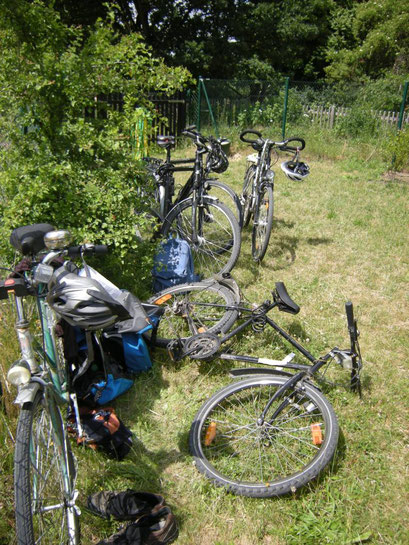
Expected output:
(350, 109)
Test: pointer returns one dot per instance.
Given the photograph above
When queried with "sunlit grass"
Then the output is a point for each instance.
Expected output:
(342, 234)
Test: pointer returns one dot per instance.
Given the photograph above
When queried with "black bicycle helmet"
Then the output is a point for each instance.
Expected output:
(217, 160)
(83, 302)
(295, 170)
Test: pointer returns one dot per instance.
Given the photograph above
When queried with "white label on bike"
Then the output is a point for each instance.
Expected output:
(266, 361)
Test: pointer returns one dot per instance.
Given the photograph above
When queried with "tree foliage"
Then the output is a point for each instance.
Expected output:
(338, 39)
(63, 160)
(369, 40)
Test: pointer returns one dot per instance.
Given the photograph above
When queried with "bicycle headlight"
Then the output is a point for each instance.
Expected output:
(19, 373)
(269, 176)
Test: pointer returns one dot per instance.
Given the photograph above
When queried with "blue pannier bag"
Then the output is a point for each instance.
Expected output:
(97, 376)
(136, 353)
(173, 264)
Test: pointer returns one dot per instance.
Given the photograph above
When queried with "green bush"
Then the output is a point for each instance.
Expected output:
(357, 123)
(66, 155)
(398, 148)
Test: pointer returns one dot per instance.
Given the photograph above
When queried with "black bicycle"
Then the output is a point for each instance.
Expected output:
(163, 173)
(273, 431)
(196, 215)
(257, 196)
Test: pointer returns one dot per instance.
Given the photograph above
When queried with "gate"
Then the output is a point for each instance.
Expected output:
(174, 110)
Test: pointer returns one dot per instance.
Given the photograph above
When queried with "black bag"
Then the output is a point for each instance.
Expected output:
(103, 429)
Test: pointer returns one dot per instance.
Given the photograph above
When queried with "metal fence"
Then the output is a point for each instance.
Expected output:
(283, 101)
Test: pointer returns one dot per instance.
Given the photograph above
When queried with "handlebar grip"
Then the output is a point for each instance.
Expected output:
(100, 249)
(349, 309)
(249, 131)
(97, 249)
(291, 148)
(74, 251)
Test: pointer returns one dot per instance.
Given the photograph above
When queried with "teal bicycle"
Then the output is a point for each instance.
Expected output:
(45, 469)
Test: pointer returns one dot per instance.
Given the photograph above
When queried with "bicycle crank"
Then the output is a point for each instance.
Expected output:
(203, 346)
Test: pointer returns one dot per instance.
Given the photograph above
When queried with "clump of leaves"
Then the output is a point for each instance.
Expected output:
(66, 156)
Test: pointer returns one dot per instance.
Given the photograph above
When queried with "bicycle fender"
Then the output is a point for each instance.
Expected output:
(251, 371)
(27, 393)
(245, 372)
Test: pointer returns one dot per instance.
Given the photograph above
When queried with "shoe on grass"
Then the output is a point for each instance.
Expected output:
(128, 505)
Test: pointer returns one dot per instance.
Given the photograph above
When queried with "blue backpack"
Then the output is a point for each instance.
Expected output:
(173, 264)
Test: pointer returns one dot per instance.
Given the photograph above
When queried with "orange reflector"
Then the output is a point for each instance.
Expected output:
(316, 434)
(202, 329)
(163, 299)
(210, 434)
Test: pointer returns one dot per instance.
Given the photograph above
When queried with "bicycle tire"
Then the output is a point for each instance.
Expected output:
(247, 198)
(39, 483)
(191, 309)
(266, 460)
(228, 197)
(263, 223)
(219, 239)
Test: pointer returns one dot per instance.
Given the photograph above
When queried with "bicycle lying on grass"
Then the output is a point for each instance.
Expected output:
(273, 431)
(257, 196)
(197, 215)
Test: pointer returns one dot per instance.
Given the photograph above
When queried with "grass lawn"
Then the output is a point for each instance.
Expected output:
(341, 234)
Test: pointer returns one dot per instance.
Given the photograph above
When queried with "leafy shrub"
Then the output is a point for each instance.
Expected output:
(358, 122)
(66, 155)
(398, 148)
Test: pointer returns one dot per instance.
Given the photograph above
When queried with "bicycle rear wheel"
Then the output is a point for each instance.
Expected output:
(44, 471)
(194, 308)
(263, 223)
(217, 245)
(247, 199)
(262, 458)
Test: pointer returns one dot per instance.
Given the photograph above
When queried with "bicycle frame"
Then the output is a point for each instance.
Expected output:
(348, 358)
(48, 376)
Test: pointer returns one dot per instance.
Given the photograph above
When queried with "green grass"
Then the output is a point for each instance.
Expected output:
(341, 234)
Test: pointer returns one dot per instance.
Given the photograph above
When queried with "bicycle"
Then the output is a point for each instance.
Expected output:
(273, 430)
(257, 196)
(208, 225)
(163, 174)
(45, 468)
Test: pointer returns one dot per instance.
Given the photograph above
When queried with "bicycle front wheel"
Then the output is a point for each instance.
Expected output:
(226, 195)
(250, 456)
(44, 472)
(194, 308)
(263, 223)
(213, 234)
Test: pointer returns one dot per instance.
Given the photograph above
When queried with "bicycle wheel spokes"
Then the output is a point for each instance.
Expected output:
(193, 308)
(43, 491)
(212, 232)
(263, 223)
(247, 199)
(235, 449)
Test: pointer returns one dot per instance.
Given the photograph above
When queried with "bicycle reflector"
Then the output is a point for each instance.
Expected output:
(19, 373)
(210, 434)
(316, 434)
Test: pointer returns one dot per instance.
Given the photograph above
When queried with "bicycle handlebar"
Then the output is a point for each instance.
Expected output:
(282, 145)
(92, 249)
(351, 321)
(249, 131)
